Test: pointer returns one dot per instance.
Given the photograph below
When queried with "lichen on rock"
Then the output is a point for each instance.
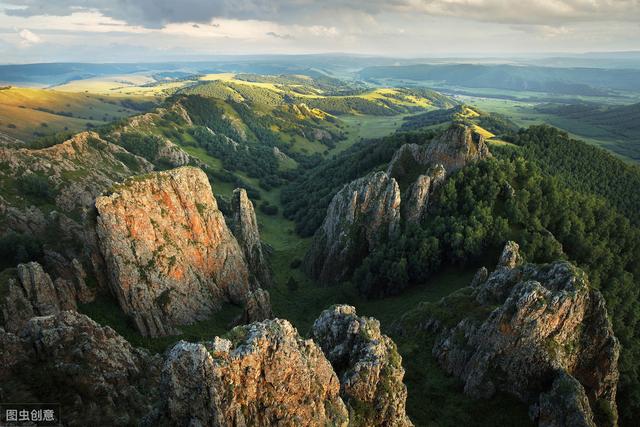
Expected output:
(532, 325)
(368, 365)
(170, 256)
(262, 374)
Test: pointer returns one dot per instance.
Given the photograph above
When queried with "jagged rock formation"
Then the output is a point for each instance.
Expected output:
(416, 202)
(566, 404)
(244, 226)
(170, 256)
(264, 374)
(261, 374)
(65, 177)
(359, 216)
(538, 332)
(97, 376)
(456, 147)
(31, 292)
(367, 209)
(368, 365)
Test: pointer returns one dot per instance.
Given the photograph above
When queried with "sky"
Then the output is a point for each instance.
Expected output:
(157, 30)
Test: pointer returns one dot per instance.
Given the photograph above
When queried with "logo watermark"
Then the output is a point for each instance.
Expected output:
(29, 414)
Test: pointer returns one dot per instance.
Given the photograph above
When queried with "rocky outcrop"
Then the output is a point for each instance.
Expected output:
(70, 168)
(263, 374)
(416, 201)
(256, 309)
(31, 292)
(359, 216)
(566, 404)
(368, 365)
(57, 189)
(170, 256)
(244, 226)
(538, 332)
(456, 147)
(96, 375)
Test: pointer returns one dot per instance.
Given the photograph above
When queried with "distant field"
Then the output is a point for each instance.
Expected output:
(526, 114)
(26, 113)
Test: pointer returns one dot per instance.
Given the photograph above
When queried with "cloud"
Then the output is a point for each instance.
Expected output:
(28, 38)
(280, 36)
(158, 13)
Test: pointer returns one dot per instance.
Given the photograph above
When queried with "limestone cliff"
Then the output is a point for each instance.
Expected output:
(244, 226)
(263, 374)
(359, 216)
(538, 332)
(368, 365)
(170, 256)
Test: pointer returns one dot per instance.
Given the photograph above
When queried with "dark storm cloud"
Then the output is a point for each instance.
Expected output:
(157, 13)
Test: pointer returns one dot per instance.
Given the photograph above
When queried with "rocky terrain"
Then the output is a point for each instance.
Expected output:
(538, 332)
(171, 258)
(369, 209)
(363, 213)
(244, 226)
(259, 374)
(368, 365)
(97, 376)
(30, 292)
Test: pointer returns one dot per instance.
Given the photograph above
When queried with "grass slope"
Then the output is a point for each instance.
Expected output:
(26, 113)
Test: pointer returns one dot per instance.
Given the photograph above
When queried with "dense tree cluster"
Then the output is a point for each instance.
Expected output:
(583, 167)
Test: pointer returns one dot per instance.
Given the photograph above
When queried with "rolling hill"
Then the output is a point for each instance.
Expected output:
(570, 81)
(27, 113)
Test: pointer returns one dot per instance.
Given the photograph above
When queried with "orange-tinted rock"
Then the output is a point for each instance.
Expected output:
(170, 256)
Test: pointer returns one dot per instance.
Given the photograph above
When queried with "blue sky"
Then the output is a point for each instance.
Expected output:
(137, 30)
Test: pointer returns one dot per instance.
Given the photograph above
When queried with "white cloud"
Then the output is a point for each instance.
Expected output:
(28, 38)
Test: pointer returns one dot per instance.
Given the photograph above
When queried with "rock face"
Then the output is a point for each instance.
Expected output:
(257, 308)
(368, 365)
(31, 292)
(263, 375)
(170, 256)
(541, 333)
(359, 216)
(456, 147)
(245, 228)
(65, 176)
(415, 204)
(368, 209)
(97, 376)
